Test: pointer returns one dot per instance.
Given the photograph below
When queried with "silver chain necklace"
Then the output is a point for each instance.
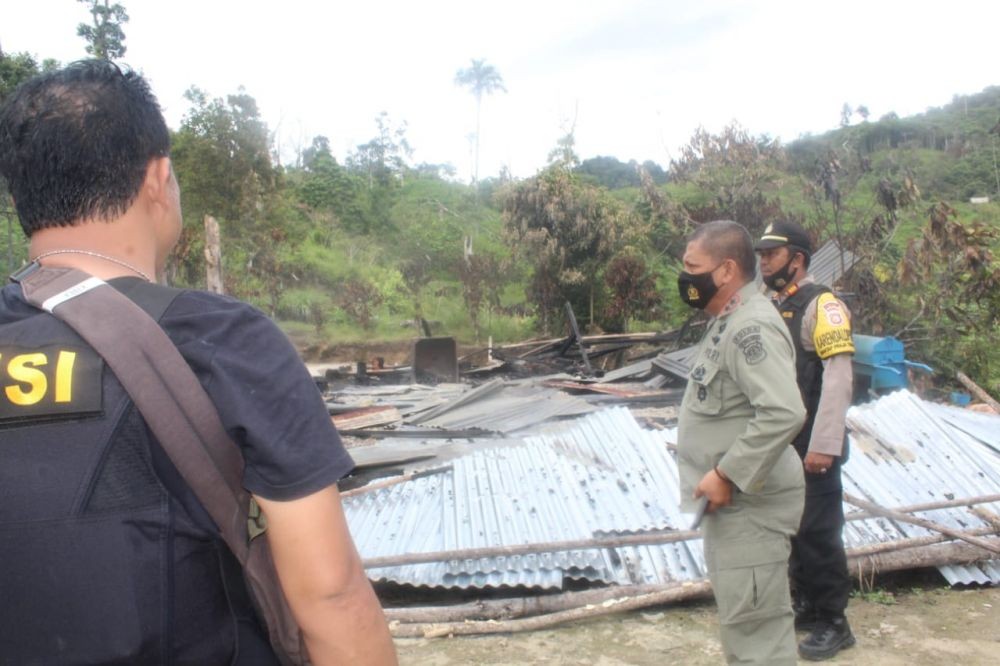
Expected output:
(105, 257)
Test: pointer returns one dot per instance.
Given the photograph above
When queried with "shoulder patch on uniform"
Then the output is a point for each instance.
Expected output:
(832, 334)
(750, 342)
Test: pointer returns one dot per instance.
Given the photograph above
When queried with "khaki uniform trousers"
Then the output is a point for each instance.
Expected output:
(746, 550)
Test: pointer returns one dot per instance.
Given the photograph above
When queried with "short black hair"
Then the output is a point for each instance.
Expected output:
(725, 239)
(75, 143)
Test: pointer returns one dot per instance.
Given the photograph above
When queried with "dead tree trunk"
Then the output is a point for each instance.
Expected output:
(978, 391)
(213, 256)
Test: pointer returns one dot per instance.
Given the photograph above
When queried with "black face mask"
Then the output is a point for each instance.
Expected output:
(780, 278)
(697, 290)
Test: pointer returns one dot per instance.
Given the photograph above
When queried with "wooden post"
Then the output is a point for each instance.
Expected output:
(578, 338)
(213, 256)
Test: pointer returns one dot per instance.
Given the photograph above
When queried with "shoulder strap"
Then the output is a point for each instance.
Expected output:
(801, 299)
(160, 383)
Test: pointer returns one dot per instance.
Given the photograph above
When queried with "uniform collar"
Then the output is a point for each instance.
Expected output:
(738, 299)
(792, 289)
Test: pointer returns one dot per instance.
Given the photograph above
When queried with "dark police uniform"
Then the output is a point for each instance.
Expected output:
(740, 411)
(820, 327)
(107, 556)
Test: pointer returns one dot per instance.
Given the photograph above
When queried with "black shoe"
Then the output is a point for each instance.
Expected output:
(826, 639)
(805, 615)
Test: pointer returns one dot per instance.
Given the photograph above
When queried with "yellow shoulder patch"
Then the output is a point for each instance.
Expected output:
(832, 334)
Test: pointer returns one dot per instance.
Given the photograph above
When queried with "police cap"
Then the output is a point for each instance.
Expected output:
(779, 234)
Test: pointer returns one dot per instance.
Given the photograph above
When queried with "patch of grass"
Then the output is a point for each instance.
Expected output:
(878, 595)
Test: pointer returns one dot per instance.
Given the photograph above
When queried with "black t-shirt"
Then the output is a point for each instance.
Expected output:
(267, 401)
(273, 411)
(265, 397)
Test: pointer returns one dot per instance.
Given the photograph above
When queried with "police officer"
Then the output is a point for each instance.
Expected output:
(738, 416)
(821, 330)
(108, 556)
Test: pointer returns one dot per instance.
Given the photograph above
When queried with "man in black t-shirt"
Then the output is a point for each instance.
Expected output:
(108, 556)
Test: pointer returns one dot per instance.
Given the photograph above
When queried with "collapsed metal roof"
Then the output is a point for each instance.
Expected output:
(906, 452)
(602, 474)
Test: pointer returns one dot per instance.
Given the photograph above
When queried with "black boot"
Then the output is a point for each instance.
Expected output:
(805, 614)
(828, 637)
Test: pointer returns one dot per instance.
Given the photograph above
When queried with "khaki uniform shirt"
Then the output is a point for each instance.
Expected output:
(742, 406)
(838, 370)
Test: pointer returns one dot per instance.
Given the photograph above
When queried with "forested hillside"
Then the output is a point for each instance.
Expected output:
(357, 249)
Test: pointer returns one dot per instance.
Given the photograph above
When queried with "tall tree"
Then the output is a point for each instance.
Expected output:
(740, 173)
(326, 186)
(383, 163)
(481, 79)
(222, 156)
(567, 230)
(105, 37)
(384, 159)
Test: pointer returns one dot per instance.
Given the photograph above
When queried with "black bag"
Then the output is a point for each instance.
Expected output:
(182, 417)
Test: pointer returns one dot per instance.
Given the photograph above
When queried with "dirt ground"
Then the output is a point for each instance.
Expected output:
(922, 625)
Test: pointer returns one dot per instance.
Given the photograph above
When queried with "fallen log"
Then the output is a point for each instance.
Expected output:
(607, 607)
(618, 600)
(915, 542)
(871, 507)
(931, 506)
(955, 554)
(514, 607)
(886, 556)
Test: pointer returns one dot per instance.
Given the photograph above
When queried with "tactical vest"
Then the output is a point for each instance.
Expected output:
(106, 555)
(809, 375)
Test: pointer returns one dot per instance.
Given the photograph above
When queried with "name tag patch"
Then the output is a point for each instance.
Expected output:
(49, 382)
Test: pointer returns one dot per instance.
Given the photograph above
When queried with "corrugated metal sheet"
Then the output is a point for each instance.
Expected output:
(499, 407)
(603, 474)
(982, 427)
(637, 369)
(906, 451)
(677, 363)
(829, 263)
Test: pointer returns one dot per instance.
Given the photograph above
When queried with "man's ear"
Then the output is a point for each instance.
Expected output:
(158, 176)
(732, 270)
(800, 259)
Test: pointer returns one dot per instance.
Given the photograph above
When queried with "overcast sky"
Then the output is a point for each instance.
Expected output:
(636, 76)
